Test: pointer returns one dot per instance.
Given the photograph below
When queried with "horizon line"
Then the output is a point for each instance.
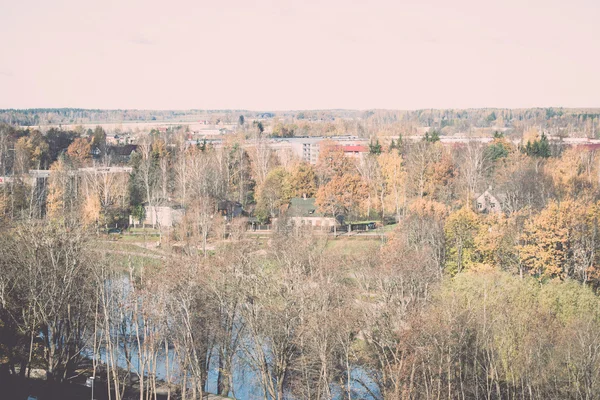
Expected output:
(301, 109)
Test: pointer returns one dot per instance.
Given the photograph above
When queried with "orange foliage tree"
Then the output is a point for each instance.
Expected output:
(332, 162)
(79, 151)
(342, 195)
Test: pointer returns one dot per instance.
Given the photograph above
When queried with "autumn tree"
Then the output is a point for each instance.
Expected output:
(262, 158)
(303, 180)
(146, 172)
(62, 197)
(58, 142)
(342, 195)
(79, 151)
(275, 192)
(399, 277)
(423, 227)
(32, 151)
(106, 194)
(332, 162)
(523, 182)
(370, 171)
(199, 220)
(474, 164)
(461, 228)
(238, 164)
(497, 241)
(430, 169)
(394, 174)
(53, 279)
(571, 173)
(561, 241)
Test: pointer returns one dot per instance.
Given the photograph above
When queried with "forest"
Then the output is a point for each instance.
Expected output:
(450, 297)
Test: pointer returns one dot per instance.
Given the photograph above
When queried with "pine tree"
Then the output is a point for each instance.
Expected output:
(375, 148)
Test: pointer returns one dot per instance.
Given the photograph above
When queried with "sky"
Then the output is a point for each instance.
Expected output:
(302, 54)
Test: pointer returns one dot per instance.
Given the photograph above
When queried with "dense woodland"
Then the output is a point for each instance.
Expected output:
(450, 303)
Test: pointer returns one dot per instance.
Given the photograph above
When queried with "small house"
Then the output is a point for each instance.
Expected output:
(304, 212)
(121, 154)
(230, 209)
(488, 202)
(164, 215)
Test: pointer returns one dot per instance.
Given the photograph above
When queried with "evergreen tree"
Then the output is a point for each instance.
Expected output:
(538, 148)
(434, 137)
(400, 145)
(375, 148)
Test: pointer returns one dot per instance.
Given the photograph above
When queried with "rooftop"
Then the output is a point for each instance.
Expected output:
(303, 207)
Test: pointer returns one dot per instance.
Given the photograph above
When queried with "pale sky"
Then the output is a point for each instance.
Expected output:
(303, 54)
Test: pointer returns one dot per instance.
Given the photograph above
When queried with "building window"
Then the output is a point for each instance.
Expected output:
(479, 206)
(493, 205)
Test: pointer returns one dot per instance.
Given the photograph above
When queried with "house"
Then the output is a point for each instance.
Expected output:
(230, 209)
(96, 152)
(488, 202)
(304, 212)
(165, 215)
(121, 154)
(355, 151)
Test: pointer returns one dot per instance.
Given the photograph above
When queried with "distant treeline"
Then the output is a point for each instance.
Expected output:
(582, 122)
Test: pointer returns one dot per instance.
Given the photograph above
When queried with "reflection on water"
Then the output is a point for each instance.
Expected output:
(246, 384)
(245, 379)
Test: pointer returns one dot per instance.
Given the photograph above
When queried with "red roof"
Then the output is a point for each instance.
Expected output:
(355, 149)
(588, 146)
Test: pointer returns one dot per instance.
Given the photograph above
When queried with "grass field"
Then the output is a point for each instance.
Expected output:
(352, 246)
(148, 231)
(125, 247)
(387, 228)
(139, 238)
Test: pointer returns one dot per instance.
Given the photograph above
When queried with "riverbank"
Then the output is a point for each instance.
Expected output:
(17, 388)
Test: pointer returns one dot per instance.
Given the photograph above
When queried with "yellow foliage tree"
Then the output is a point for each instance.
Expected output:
(531, 135)
(91, 210)
(497, 241)
(394, 176)
(303, 180)
(460, 231)
(567, 172)
(562, 241)
(61, 196)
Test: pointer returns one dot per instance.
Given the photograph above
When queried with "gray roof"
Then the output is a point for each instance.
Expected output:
(501, 197)
(301, 207)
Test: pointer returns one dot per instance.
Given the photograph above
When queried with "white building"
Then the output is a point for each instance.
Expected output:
(308, 148)
(163, 216)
